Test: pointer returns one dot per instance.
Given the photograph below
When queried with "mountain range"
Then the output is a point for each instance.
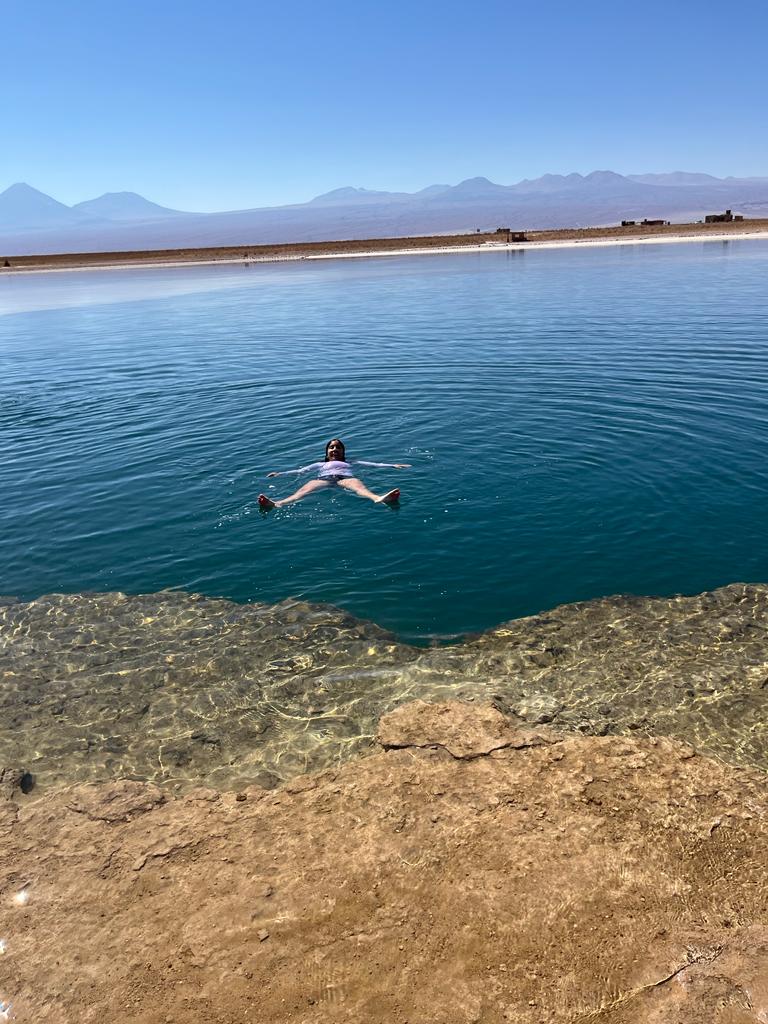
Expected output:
(32, 222)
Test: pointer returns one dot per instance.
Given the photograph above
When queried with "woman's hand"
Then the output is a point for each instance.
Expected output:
(401, 465)
(273, 474)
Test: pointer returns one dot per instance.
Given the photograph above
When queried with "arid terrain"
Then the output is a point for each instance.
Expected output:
(469, 871)
(377, 246)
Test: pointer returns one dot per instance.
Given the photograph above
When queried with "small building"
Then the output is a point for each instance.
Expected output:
(722, 218)
(512, 236)
(628, 223)
(654, 223)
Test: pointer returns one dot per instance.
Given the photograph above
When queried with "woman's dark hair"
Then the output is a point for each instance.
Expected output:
(336, 440)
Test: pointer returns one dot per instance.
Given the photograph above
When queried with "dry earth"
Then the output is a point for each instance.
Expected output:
(468, 871)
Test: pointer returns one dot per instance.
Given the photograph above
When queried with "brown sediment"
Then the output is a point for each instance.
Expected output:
(468, 872)
(370, 246)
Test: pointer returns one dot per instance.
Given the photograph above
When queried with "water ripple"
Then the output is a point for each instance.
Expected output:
(578, 423)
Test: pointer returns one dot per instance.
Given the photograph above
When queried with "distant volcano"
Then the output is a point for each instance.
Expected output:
(124, 206)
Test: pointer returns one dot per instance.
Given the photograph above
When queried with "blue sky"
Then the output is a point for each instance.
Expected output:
(229, 105)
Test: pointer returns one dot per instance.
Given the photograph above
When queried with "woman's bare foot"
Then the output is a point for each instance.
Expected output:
(265, 502)
(391, 497)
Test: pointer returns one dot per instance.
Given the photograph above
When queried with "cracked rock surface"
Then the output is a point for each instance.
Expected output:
(471, 872)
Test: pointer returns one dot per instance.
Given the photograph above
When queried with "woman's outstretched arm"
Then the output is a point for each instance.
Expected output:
(381, 465)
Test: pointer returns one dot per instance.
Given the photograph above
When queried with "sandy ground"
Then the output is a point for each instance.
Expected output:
(356, 248)
(469, 872)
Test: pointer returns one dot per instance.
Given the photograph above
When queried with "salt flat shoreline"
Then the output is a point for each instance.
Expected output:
(146, 261)
(566, 244)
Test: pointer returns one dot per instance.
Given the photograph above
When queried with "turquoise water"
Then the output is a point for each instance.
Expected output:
(580, 423)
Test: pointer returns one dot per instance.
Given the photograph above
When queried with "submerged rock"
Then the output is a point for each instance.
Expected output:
(15, 780)
(538, 709)
(181, 689)
(447, 879)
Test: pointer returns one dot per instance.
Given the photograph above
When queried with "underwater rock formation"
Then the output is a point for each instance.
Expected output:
(473, 871)
(182, 689)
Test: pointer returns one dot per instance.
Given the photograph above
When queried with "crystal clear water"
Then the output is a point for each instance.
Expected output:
(580, 423)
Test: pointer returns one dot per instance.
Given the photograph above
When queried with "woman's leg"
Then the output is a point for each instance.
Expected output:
(353, 484)
(313, 485)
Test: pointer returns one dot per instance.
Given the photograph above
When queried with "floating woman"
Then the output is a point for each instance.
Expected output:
(335, 471)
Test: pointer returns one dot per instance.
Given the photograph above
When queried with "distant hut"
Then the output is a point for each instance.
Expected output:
(512, 236)
(722, 218)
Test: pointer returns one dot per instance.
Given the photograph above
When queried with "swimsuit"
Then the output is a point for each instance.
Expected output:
(335, 470)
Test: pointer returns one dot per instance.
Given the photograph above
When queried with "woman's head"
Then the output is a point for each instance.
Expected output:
(334, 451)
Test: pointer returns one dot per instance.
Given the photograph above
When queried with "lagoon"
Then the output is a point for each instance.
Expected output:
(580, 423)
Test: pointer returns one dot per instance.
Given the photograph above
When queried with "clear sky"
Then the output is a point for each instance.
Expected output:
(203, 105)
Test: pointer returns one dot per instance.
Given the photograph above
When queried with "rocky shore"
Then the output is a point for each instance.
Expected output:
(468, 870)
(224, 813)
(184, 690)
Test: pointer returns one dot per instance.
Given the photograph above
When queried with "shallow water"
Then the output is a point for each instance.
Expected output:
(580, 423)
(183, 689)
